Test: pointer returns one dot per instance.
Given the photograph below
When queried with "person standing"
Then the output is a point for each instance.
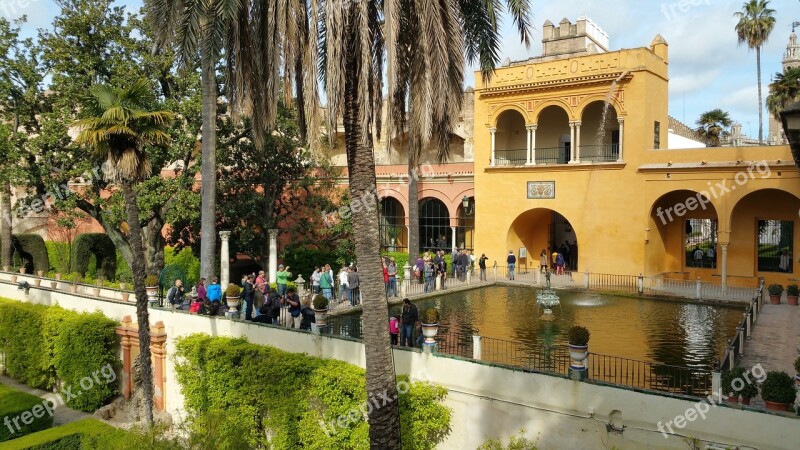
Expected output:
(429, 273)
(482, 266)
(260, 279)
(353, 282)
(293, 302)
(543, 261)
(248, 295)
(454, 259)
(394, 329)
(315, 281)
(273, 305)
(511, 260)
(391, 269)
(712, 256)
(282, 278)
(326, 284)
(560, 264)
(385, 279)
(409, 319)
(214, 294)
(698, 257)
(343, 289)
(258, 298)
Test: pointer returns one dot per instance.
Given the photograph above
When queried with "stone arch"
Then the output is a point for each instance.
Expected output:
(500, 110)
(537, 112)
(540, 229)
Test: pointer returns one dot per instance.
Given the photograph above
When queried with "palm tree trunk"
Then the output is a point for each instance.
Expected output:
(208, 213)
(384, 422)
(760, 107)
(5, 224)
(413, 212)
(142, 315)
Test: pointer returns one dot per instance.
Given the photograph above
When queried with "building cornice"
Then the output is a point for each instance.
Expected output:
(572, 82)
(574, 167)
(715, 166)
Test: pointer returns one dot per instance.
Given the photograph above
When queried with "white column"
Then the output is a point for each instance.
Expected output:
(273, 256)
(621, 121)
(528, 141)
(572, 142)
(533, 145)
(724, 265)
(577, 142)
(455, 246)
(225, 259)
(492, 132)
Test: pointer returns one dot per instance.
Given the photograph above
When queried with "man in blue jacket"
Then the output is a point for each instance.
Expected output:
(214, 294)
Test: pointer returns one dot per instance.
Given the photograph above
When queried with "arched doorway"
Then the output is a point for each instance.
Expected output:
(393, 225)
(599, 133)
(543, 229)
(553, 136)
(510, 139)
(465, 232)
(764, 235)
(434, 225)
(684, 234)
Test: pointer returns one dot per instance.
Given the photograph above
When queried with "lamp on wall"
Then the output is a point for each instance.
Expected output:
(469, 207)
(791, 128)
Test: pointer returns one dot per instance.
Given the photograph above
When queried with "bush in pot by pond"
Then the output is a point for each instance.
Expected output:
(739, 387)
(778, 391)
(151, 280)
(792, 292)
(578, 336)
(320, 302)
(430, 316)
(775, 291)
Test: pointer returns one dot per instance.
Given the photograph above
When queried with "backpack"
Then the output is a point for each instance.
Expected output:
(171, 294)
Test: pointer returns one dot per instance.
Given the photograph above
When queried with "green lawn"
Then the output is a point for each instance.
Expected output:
(17, 408)
(66, 437)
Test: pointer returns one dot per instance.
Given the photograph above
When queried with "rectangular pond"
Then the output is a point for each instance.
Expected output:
(677, 333)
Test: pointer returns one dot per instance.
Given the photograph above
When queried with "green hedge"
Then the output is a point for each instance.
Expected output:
(48, 347)
(59, 255)
(30, 251)
(186, 260)
(78, 435)
(103, 249)
(300, 393)
(22, 414)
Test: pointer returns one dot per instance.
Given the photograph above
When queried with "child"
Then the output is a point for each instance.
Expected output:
(394, 328)
(197, 303)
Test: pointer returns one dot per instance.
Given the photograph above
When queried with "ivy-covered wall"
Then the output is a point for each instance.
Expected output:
(50, 347)
(300, 401)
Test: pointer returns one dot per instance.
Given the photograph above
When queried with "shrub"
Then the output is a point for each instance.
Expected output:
(578, 336)
(186, 260)
(519, 442)
(775, 289)
(19, 407)
(297, 407)
(233, 290)
(430, 316)
(151, 280)
(125, 278)
(101, 247)
(793, 290)
(778, 387)
(727, 380)
(59, 255)
(320, 302)
(30, 252)
(75, 277)
(729, 383)
(797, 364)
(48, 347)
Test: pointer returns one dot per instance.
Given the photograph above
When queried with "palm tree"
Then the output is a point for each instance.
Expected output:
(756, 22)
(117, 125)
(712, 126)
(783, 91)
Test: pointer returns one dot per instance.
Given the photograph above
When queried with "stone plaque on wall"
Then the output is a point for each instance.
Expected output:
(541, 190)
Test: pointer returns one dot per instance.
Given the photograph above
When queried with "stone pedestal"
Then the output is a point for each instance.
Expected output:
(578, 375)
(406, 280)
(301, 286)
(273, 256)
(225, 259)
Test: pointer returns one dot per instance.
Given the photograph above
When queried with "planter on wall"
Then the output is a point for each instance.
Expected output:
(775, 299)
(792, 299)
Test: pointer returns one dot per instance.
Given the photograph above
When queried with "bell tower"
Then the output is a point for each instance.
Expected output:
(791, 58)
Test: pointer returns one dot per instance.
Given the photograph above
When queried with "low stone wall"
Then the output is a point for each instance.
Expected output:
(487, 401)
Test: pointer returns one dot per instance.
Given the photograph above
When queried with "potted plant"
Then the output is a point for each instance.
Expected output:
(727, 384)
(76, 278)
(777, 390)
(792, 292)
(22, 269)
(578, 338)
(6, 268)
(37, 281)
(98, 285)
(320, 307)
(40, 273)
(392, 233)
(430, 325)
(775, 291)
(124, 279)
(232, 298)
(151, 286)
(58, 275)
(747, 392)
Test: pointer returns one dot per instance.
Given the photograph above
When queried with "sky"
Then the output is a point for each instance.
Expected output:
(707, 67)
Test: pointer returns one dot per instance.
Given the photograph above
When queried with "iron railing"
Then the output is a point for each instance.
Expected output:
(735, 348)
(649, 375)
(599, 153)
(552, 155)
(511, 157)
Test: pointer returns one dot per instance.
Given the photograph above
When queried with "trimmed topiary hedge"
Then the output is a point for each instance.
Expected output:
(301, 405)
(30, 252)
(47, 347)
(81, 434)
(99, 245)
(22, 414)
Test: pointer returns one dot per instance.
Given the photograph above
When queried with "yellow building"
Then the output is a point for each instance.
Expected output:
(573, 146)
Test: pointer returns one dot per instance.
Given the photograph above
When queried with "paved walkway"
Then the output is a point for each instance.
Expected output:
(61, 415)
(775, 342)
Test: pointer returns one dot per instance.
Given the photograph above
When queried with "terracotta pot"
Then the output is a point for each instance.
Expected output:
(37, 282)
(13, 278)
(73, 288)
(6, 268)
(96, 292)
(53, 284)
(58, 276)
(792, 299)
(733, 399)
(775, 299)
(772, 406)
(40, 273)
(745, 400)
(123, 287)
(125, 296)
(22, 270)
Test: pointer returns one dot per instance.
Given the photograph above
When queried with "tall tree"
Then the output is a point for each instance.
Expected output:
(712, 125)
(756, 22)
(118, 124)
(783, 90)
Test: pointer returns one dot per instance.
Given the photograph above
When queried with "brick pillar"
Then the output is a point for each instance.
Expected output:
(158, 343)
